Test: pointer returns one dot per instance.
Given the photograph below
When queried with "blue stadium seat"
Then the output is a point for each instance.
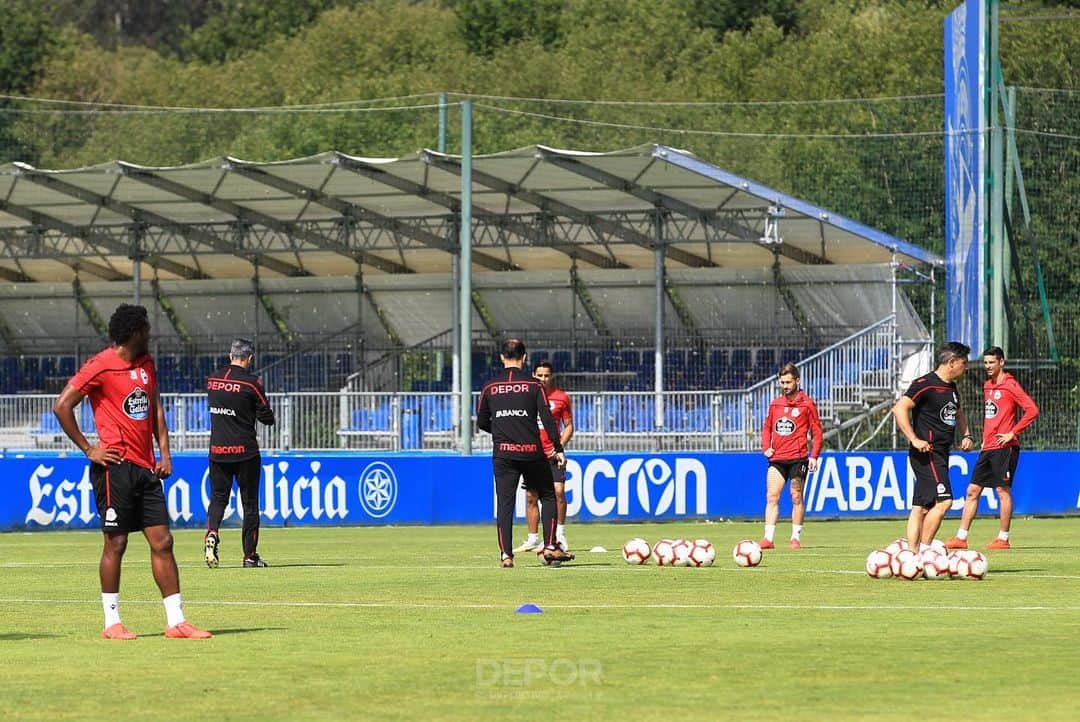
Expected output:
(437, 412)
(610, 361)
(584, 413)
(86, 418)
(561, 361)
(586, 360)
(731, 415)
(631, 358)
(819, 388)
(790, 355)
(765, 362)
(198, 414)
(67, 366)
(879, 359)
(740, 360)
(48, 424)
(9, 380)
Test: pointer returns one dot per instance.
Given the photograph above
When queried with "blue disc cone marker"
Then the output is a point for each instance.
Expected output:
(529, 609)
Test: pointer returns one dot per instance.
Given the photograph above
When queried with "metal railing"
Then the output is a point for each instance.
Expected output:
(850, 377)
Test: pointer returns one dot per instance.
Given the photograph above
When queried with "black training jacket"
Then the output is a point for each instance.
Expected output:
(236, 400)
(509, 407)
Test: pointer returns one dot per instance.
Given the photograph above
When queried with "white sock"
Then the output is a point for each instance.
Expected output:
(1003, 535)
(534, 538)
(923, 547)
(174, 609)
(961, 534)
(560, 531)
(770, 531)
(796, 531)
(111, 604)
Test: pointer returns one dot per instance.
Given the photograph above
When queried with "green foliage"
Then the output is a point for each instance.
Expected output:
(237, 27)
(488, 25)
(25, 42)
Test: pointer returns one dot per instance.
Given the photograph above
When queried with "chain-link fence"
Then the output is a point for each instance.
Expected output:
(879, 161)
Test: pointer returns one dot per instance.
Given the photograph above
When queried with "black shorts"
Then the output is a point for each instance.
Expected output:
(129, 498)
(793, 469)
(535, 474)
(558, 473)
(931, 477)
(996, 467)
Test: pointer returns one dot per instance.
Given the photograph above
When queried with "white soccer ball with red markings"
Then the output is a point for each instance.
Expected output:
(878, 564)
(935, 564)
(663, 553)
(636, 551)
(702, 554)
(896, 545)
(682, 548)
(906, 565)
(747, 553)
(939, 546)
(970, 564)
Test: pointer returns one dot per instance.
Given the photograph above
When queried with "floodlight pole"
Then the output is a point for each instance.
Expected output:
(455, 281)
(465, 292)
(658, 330)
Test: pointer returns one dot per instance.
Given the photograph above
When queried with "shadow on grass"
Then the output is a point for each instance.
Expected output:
(287, 566)
(247, 630)
(21, 636)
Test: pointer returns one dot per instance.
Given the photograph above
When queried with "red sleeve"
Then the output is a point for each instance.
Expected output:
(1026, 403)
(816, 436)
(567, 416)
(88, 377)
(766, 431)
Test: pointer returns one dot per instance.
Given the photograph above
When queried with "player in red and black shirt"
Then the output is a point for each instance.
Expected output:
(559, 403)
(996, 466)
(936, 405)
(509, 406)
(122, 387)
(236, 401)
(792, 416)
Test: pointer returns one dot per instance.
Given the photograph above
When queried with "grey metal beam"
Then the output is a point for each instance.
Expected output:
(97, 238)
(351, 210)
(143, 216)
(591, 309)
(724, 223)
(448, 201)
(13, 275)
(247, 215)
(599, 224)
(681, 309)
(105, 273)
(648, 195)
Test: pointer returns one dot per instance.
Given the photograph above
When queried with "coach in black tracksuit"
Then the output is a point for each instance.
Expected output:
(236, 399)
(509, 407)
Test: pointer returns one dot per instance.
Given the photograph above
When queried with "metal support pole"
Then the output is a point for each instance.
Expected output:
(465, 293)
(998, 331)
(455, 333)
(659, 328)
(136, 265)
(442, 123)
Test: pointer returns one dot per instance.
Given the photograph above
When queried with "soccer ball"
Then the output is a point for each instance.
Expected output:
(636, 551)
(896, 546)
(935, 564)
(970, 564)
(702, 554)
(682, 548)
(663, 553)
(877, 564)
(954, 564)
(747, 553)
(939, 546)
(905, 564)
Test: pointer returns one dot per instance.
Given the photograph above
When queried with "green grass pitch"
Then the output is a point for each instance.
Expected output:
(417, 623)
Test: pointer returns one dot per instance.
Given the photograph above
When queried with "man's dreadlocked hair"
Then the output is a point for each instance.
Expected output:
(126, 321)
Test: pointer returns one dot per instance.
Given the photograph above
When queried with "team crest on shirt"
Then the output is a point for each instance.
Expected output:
(948, 414)
(997, 396)
(794, 413)
(784, 427)
(137, 405)
(991, 409)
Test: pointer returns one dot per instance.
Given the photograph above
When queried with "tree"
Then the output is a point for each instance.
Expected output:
(487, 25)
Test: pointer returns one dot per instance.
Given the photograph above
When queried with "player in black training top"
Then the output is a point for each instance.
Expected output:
(236, 400)
(509, 407)
(937, 417)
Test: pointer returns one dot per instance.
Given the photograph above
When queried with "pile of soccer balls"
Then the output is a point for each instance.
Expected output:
(686, 553)
(900, 561)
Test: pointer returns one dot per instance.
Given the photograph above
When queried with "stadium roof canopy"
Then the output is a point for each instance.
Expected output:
(332, 214)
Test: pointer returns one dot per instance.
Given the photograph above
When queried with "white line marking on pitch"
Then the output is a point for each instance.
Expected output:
(449, 605)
